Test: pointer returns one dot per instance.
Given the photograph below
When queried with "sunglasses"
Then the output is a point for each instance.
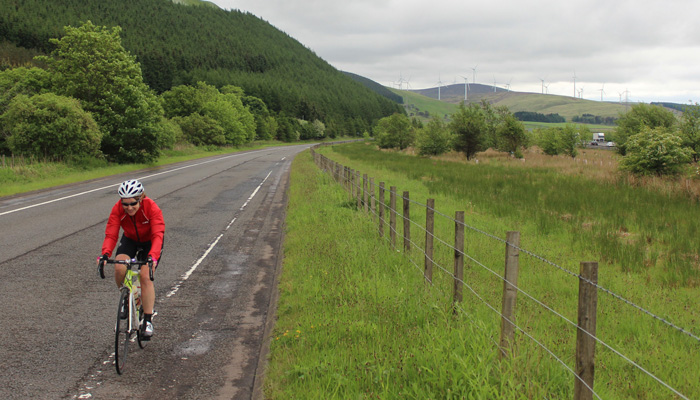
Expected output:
(130, 204)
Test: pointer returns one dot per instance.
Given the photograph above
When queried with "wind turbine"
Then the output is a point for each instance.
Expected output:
(408, 83)
(546, 89)
(474, 74)
(602, 91)
(439, 83)
(508, 84)
(466, 86)
(580, 96)
(494, 83)
(542, 79)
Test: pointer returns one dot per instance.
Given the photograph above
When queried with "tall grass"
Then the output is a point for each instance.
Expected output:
(356, 321)
(549, 232)
(639, 228)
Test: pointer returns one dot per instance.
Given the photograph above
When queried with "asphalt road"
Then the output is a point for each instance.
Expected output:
(214, 288)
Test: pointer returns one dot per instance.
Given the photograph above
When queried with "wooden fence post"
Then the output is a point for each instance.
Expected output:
(510, 291)
(371, 197)
(392, 216)
(365, 193)
(459, 258)
(381, 209)
(359, 190)
(585, 342)
(429, 225)
(351, 183)
(406, 223)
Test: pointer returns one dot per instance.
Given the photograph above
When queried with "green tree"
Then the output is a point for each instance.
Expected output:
(548, 140)
(48, 125)
(201, 130)
(570, 139)
(689, 129)
(469, 126)
(655, 151)
(435, 138)
(511, 135)
(641, 115)
(90, 64)
(394, 131)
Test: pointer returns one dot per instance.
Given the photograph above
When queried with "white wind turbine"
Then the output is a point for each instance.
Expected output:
(474, 74)
(602, 91)
(439, 83)
(466, 87)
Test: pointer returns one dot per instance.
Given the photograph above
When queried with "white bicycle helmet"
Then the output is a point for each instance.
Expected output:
(130, 188)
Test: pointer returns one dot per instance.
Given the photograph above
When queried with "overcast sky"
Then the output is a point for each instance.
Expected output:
(651, 49)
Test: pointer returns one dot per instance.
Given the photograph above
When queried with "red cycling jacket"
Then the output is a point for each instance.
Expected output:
(146, 225)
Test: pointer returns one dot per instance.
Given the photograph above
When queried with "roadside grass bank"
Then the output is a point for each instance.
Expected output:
(356, 319)
(21, 175)
(554, 213)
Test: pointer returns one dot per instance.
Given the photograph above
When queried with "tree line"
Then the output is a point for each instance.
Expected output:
(471, 129)
(174, 47)
(538, 117)
(651, 139)
(91, 101)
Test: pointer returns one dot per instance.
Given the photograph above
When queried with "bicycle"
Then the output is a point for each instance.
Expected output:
(130, 310)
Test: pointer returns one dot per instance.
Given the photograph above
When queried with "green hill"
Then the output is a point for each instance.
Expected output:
(567, 107)
(181, 44)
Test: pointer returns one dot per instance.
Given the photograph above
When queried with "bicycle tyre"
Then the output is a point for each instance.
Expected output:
(139, 330)
(122, 334)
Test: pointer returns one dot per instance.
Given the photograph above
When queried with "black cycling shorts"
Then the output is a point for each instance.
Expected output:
(130, 247)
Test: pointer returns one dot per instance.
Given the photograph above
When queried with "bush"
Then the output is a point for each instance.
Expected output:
(656, 151)
(394, 132)
(434, 139)
(51, 126)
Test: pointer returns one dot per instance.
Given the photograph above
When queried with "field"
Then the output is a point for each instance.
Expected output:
(567, 107)
(358, 321)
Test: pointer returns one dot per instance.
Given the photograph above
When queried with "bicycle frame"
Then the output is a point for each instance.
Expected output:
(129, 295)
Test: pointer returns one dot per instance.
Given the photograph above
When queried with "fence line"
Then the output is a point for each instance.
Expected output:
(364, 196)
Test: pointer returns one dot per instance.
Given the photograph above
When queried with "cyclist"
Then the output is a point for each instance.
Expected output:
(144, 227)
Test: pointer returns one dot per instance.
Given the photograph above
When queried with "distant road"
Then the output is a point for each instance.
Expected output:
(224, 225)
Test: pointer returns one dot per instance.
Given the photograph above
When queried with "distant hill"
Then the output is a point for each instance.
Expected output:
(567, 107)
(183, 44)
(376, 87)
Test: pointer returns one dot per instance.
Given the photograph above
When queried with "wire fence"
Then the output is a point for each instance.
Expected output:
(433, 252)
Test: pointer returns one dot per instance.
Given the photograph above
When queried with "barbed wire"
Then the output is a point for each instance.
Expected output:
(363, 191)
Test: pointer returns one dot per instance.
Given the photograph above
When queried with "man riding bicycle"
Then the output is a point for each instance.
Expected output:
(144, 227)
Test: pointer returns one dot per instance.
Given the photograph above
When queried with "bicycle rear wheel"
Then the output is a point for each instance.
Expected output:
(122, 332)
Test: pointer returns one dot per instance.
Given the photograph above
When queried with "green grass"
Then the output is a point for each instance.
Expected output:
(418, 102)
(356, 321)
(381, 324)
(567, 107)
(21, 176)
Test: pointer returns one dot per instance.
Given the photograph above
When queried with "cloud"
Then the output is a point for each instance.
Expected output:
(650, 47)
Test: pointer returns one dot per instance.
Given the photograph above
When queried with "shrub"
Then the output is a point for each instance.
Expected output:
(655, 151)
(53, 126)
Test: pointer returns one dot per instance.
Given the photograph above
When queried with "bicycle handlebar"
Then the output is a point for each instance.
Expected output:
(128, 264)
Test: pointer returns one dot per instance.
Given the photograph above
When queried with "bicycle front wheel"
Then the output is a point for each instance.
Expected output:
(122, 333)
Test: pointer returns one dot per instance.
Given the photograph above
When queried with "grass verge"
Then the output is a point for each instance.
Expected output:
(356, 319)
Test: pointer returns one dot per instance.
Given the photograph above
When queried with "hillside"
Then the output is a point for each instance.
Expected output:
(181, 44)
(567, 107)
